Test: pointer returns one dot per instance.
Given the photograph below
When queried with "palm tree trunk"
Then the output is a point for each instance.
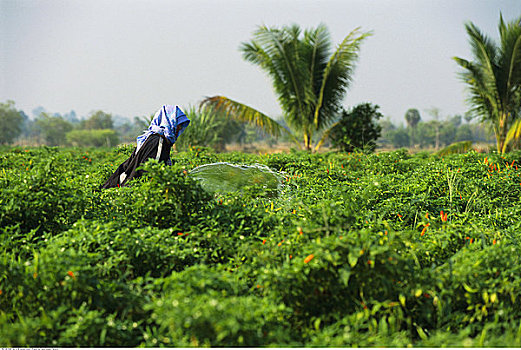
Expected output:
(501, 132)
(307, 143)
(308, 135)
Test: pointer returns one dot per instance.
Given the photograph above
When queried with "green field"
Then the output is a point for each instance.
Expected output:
(386, 249)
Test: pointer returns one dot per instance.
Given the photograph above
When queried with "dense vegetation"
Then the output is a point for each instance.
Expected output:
(388, 249)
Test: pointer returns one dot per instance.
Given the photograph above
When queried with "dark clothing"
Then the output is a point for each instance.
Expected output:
(149, 149)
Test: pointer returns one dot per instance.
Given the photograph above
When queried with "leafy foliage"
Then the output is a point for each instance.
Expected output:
(243, 113)
(513, 135)
(53, 129)
(386, 249)
(98, 120)
(457, 147)
(412, 116)
(92, 138)
(11, 122)
(209, 130)
(357, 128)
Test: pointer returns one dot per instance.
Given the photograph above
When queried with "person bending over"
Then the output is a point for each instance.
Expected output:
(168, 124)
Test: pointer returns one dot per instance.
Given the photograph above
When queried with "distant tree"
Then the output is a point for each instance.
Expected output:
(426, 133)
(71, 117)
(436, 124)
(38, 111)
(53, 129)
(447, 134)
(357, 128)
(130, 129)
(456, 120)
(98, 120)
(141, 123)
(126, 131)
(412, 117)
(494, 77)
(26, 124)
(386, 124)
(387, 129)
(464, 133)
(399, 138)
(482, 133)
(11, 122)
(92, 138)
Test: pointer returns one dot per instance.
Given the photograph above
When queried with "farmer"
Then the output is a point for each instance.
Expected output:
(169, 122)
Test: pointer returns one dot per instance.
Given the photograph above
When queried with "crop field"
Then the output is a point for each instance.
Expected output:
(387, 249)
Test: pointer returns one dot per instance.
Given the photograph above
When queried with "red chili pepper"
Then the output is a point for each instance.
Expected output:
(308, 258)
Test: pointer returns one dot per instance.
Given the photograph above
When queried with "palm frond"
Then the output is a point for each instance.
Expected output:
(337, 75)
(316, 50)
(204, 129)
(324, 136)
(282, 48)
(510, 36)
(456, 148)
(244, 113)
(514, 133)
(487, 60)
(483, 96)
(483, 48)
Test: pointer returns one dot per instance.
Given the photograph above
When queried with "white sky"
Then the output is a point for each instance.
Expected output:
(130, 57)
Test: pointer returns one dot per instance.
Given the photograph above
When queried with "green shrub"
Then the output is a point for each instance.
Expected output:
(211, 307)
(332, 275)
(50, 298)
(480, 285)
(357, 128)
(92, 138)
(43, 196)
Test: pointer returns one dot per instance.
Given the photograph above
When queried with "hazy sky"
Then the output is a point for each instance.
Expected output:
(130, 57)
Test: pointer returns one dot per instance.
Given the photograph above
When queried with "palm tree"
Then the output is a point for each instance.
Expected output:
(494, 77)
(412, 117)
(309, 79)
(435, 113)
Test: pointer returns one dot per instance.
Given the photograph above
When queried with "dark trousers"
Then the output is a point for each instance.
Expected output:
(155, 147)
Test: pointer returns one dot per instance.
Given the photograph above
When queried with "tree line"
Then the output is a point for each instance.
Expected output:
(436, 133)
(101, 129)
(98, 129)
(361, 127)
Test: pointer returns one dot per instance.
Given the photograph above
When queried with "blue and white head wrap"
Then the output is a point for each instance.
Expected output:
(165, 123)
